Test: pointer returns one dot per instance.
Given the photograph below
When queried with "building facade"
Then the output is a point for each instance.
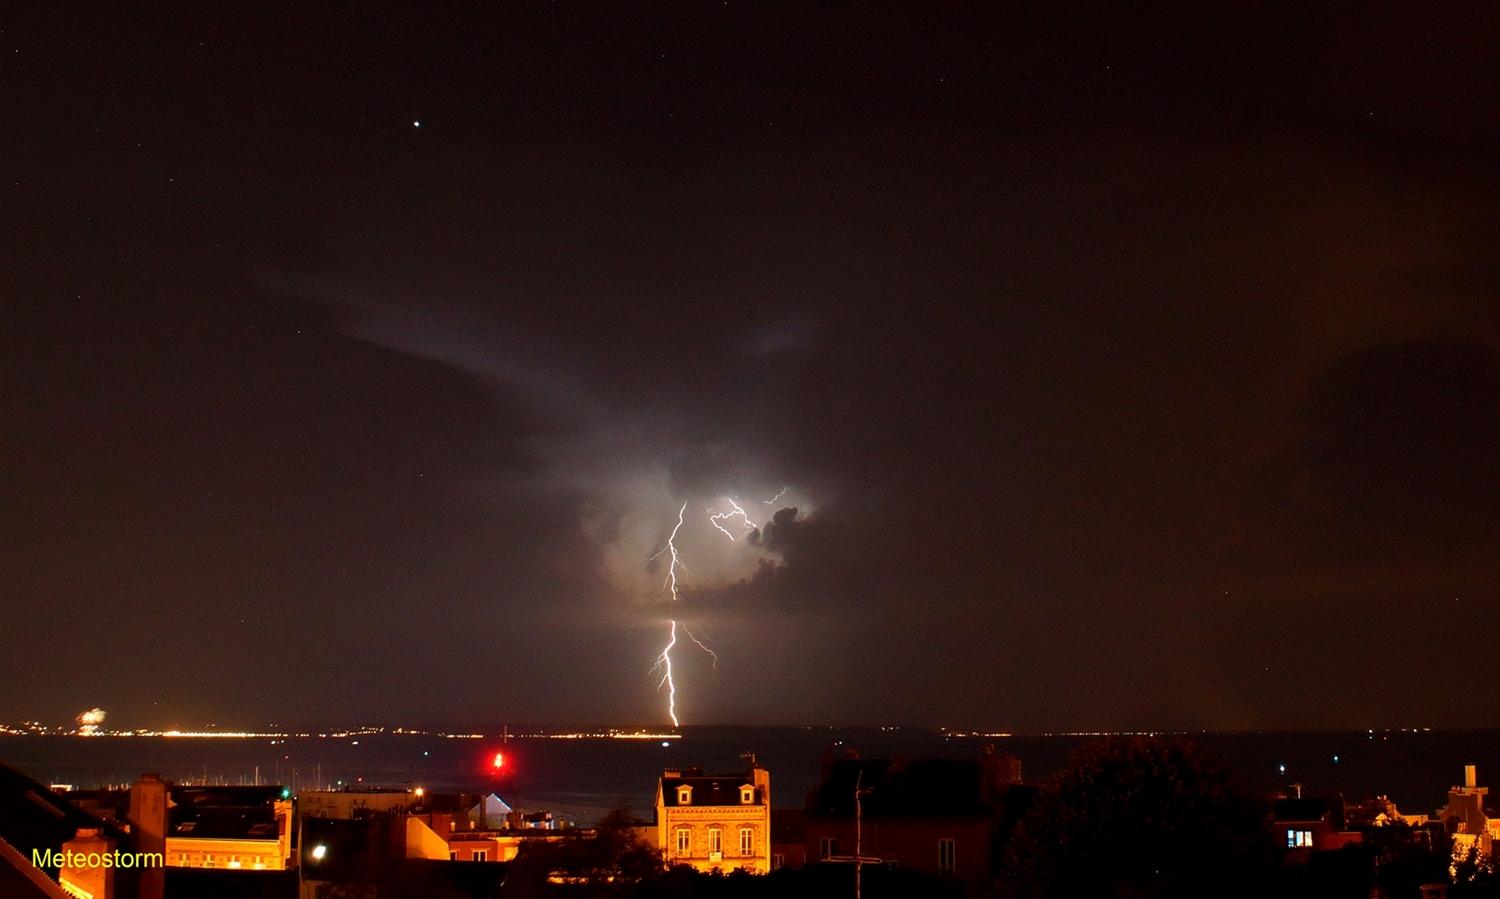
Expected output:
(943, 817)
(1467, 818)
(715, 823)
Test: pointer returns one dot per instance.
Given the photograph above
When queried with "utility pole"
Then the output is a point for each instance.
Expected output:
(859, 858)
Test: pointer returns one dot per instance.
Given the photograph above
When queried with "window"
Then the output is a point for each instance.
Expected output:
(827, 846)
(947, 855)
(747, 841)
(747, 795)
(1298, 839)
(684, 841)
(684, 795)
(778, 861)
(452, 855)
(715, 840)
(480, 855)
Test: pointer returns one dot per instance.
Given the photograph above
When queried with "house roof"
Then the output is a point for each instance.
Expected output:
(232, 823)
(709, 790)
(447, 802)
(19, 880)
(489, 804)
(1300, 810)
(224, 796)
(34, 817)
(223, 813)
(931, 788)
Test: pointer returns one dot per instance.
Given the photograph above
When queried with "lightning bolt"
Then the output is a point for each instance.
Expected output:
(701, 645)
(664, 661)
(714, 517)
(674, 562)
(671, 550)
(777, 498)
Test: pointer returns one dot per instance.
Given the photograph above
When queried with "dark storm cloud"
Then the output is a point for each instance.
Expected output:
(1130, 369)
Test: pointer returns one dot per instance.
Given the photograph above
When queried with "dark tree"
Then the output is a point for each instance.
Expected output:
(612, 861)
(1139, 817)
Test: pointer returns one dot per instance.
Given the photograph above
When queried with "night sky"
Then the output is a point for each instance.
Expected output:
(1127, 369)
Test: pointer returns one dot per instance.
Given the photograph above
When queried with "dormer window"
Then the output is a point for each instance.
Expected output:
(747, 795)
(684, 795)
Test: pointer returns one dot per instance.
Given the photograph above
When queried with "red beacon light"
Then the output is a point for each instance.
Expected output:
(498, 762)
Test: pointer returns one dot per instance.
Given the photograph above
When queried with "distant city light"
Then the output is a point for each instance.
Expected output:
(665, 743)
(420, 792)
(1283, 768)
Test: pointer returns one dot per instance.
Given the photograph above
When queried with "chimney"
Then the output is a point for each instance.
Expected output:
(999, 771)
(1471, 776)
(761, 778)
(148, 822)
(89, 874)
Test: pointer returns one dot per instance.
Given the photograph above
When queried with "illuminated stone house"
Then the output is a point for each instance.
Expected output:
(232, 829)
(715, 823)
(1473, 826)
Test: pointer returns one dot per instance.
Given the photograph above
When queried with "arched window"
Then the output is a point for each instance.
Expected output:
(684, 795)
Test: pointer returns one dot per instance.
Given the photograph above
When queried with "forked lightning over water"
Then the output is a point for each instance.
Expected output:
(674, 562)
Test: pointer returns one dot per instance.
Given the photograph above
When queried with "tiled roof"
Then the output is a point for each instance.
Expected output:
(18, 880)
(34, 817)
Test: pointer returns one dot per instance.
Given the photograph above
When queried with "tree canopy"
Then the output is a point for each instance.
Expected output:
(1139, 817)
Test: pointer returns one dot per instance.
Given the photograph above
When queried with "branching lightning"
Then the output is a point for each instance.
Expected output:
(701, 645)
(718, 518)
(714, 517)
(671, 550)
